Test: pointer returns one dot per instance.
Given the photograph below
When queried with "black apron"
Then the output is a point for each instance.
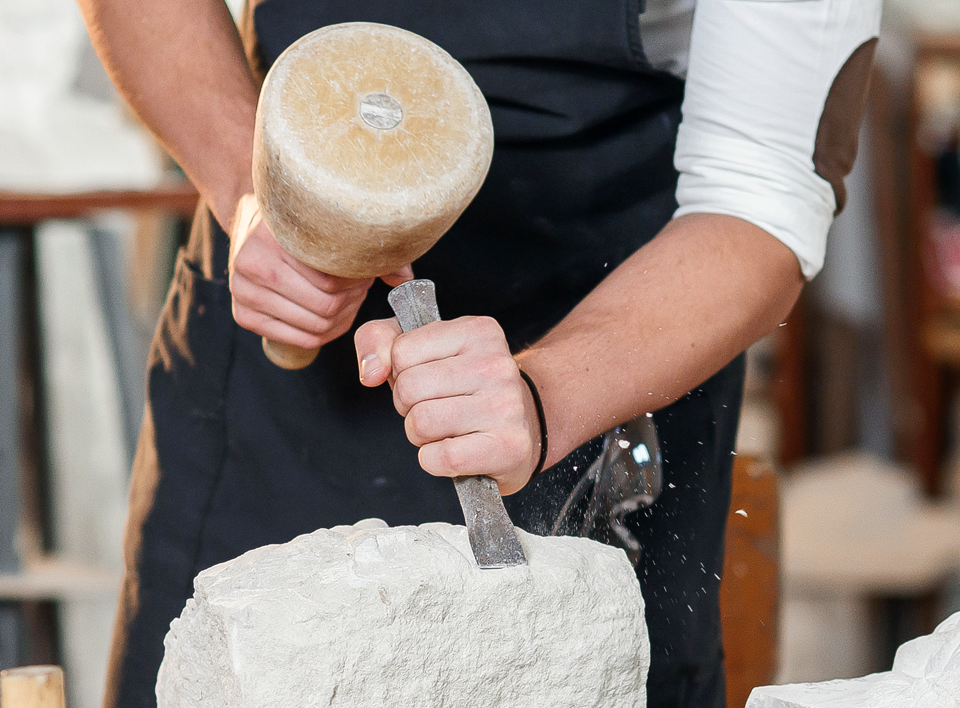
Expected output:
(236, 453)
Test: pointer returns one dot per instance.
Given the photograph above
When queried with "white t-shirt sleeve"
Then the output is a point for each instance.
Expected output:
(760, 75)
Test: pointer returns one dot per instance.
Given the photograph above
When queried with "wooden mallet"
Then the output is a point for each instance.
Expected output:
(370, 142)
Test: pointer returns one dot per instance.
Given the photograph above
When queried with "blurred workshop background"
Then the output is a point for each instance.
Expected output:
(844, 535)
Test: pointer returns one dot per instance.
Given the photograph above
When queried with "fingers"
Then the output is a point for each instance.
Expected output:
(323, 281)
(374, 341)
(398, 277)
(475, 454)
(479, 336)
(430, 343)
(284, 321)
(460, 392)
(437, 419)
(469, 425)
(468, 373)
(279, 297)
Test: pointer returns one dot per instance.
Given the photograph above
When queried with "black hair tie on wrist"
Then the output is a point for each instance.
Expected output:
(538, 404)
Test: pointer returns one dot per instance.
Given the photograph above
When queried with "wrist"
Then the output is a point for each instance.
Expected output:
(544, 437)
(226, 202)
(228, 176)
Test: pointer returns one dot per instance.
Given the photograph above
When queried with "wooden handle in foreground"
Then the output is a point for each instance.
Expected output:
(287, 356)
(32, 687)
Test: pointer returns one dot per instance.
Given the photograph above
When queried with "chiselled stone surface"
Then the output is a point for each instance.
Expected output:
(925, 674)
(368, 616)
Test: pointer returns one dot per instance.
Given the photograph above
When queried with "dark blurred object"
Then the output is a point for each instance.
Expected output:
(948, 179)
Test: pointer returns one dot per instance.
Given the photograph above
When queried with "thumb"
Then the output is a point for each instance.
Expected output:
(373, 341)
(245, 219)
(398, 277)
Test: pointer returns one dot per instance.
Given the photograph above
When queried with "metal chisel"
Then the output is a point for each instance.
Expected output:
(493, 537)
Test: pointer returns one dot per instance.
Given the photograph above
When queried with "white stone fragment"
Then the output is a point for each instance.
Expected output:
(375, 616)
(925, 674)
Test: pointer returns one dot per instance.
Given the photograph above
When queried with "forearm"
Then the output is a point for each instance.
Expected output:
(181, 67)
(664, 321)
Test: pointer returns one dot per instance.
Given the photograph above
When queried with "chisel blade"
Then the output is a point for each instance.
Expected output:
(492, 534)
(493, 537)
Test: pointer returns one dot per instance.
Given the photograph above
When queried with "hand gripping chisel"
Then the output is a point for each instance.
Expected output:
(493, 537)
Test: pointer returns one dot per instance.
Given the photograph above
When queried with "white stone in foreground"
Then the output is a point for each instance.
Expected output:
(925, 674)
(372, 616)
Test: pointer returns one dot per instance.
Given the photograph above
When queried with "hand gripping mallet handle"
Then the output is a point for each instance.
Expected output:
(370, 141)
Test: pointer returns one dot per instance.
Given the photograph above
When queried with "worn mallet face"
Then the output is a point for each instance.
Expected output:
(370, 143)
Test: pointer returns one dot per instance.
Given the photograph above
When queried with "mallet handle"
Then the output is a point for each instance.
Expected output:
(287, 356)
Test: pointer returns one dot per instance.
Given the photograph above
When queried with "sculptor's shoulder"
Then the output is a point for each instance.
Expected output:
(774, 96)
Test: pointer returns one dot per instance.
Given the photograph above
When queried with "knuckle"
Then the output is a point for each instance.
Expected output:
(522, 446)
(321, 325)
(400, 354)
(451, 460)
(512, 410)
(500, 370)
(414, 424)
(487, 327)
(244, 317)
(404, 391)
(259, 272)
(329, 306)
(505, 369)
(240, 288)
(364, 337)
(314, 341)
(374, 336)
(242, 260)
(269, 274)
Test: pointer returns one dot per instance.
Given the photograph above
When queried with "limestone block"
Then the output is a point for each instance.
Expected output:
(925, 674)
(374, 616)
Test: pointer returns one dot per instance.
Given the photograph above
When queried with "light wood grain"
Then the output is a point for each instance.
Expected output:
(32, 687)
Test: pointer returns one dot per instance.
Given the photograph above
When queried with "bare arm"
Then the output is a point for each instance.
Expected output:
(181, 67)
(673, 314)
(760, 180)
(666, 320)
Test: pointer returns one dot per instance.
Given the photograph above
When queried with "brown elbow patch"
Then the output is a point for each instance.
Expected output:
(836, 147)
